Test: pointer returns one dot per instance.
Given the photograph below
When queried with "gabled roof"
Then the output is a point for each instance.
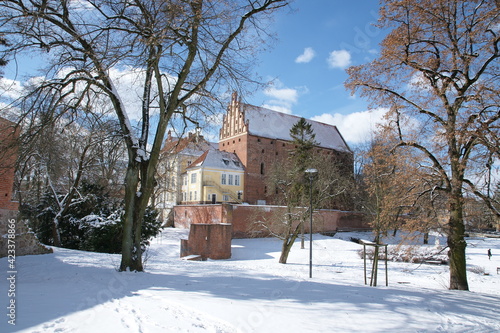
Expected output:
(276, 125)
(217, 159)
(192, 145)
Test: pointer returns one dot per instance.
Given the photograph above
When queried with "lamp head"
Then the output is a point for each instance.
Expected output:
(311, 172)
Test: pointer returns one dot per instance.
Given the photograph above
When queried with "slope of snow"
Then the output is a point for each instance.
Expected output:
(75, 291)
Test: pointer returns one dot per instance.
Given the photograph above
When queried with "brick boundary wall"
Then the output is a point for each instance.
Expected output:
(242, 218)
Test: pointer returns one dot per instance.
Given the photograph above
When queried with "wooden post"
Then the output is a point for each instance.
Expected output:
(364, 259)
(386, 274)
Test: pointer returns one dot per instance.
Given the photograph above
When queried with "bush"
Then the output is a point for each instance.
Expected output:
(104, 234)
(92, 223)
(411, 254)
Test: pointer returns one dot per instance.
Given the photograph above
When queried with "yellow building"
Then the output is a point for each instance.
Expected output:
(176, 156)
(217, 176)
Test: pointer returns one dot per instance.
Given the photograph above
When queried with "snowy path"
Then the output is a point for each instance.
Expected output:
(74, 291)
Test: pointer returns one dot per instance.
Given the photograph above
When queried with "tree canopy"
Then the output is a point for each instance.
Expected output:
(438, 71)
(185, 53)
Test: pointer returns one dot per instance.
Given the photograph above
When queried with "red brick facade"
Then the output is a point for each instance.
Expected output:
(8, 155)
(212, 241)
(258, 153)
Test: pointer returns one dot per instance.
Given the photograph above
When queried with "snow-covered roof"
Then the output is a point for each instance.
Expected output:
(217, 159)
(276, 125)
(192, 145)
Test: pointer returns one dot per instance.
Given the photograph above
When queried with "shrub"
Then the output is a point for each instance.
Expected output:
(92, 223)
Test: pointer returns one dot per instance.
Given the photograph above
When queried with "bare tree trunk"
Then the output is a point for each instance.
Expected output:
(131, 182)
(288, 243)
(426, 237)
(457, 244)
(302, 236)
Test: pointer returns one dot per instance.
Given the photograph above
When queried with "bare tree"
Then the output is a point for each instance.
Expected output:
(439, 72)
(294, 191)
(184, 50)
(57, 157)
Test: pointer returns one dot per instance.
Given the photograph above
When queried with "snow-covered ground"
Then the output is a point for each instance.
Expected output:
(74, 291)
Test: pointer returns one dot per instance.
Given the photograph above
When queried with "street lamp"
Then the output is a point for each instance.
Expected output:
(311, 173)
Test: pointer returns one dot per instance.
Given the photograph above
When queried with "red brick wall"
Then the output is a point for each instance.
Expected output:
(185, 215)
(211, 241)
(242, 218)
(8, 155)
(258, 152)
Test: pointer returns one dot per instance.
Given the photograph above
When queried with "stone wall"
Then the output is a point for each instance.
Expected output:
(26, 242)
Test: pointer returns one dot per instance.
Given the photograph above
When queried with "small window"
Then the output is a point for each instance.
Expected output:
(226, 162)
(195, 196)
(193, 178)
(237, 180)
(225, 197)
(230, 180)
(262, 168)
(272, 141)
(258, 139)
(223, 179)
(262, 151)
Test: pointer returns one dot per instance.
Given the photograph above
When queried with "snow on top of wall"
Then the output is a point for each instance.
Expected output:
(276, 125)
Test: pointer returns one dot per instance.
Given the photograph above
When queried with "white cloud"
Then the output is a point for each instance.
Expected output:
(287, 95)
(339, 59)
(282, 98)
(277, 107)
(307, 56)
(10, 89)
(356, 127)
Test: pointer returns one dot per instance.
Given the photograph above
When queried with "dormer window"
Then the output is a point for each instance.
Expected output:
(226, 162)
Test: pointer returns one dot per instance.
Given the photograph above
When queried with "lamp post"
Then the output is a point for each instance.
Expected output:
(311, 173)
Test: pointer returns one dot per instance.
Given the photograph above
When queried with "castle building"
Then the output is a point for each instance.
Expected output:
(260, 137)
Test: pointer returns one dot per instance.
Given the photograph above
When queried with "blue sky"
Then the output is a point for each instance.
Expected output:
(317, 41)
